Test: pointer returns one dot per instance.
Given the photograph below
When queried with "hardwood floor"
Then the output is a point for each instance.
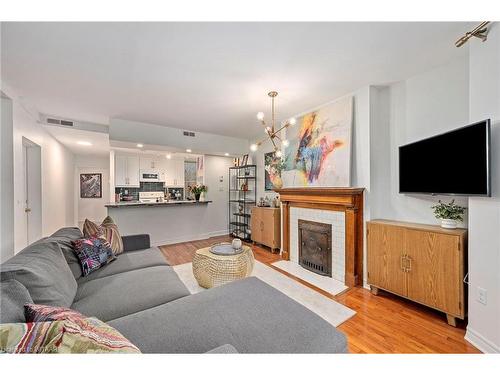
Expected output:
(383, 324)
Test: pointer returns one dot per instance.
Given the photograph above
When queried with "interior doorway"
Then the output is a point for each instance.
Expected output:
(32, 166)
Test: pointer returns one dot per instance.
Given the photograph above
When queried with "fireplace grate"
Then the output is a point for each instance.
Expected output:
(317, 267)
(315, 246)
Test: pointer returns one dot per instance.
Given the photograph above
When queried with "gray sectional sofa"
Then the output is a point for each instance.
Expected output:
(141, 295)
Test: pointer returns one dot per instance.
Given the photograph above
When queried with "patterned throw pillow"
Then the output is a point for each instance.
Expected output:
(93, 253)
(107, 230)
(91, 229)
(88, 335)
(42, 313)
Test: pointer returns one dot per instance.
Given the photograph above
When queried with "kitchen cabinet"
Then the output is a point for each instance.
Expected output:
(150, 162)
(174, 172)
(126, 170)
(424, 263)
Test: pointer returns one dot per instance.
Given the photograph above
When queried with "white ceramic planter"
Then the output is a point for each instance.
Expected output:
(448, 223)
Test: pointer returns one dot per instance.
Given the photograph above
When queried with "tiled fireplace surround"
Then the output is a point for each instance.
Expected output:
(340, 207)
(337, 221)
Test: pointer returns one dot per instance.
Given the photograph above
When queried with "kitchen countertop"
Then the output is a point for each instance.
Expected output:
(141, 204)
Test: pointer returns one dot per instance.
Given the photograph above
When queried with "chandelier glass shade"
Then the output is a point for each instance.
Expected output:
(271, 130)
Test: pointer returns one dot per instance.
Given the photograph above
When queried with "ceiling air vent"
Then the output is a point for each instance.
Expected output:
(56, 121)
(188, 134)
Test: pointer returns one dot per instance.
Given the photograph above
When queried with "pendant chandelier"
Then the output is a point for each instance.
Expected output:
(271, 131)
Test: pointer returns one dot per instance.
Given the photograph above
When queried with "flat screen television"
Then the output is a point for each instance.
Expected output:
(453, 163)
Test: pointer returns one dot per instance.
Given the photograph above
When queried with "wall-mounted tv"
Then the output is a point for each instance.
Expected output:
(453, 163)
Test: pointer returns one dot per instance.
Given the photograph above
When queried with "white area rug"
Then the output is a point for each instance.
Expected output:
(333, 312)
(325, 283)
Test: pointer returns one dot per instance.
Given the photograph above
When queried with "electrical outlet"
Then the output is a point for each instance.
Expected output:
(482, 296)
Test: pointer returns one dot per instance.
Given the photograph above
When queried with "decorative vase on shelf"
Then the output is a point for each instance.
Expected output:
(197, 197)
(448, 223)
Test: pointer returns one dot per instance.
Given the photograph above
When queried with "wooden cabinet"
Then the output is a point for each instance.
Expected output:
(126, 170)
(265, 224)
(424, 263)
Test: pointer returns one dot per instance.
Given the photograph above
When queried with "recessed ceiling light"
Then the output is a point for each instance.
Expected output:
(188, 150)
(140, 145)
(226, 154)
(169, 156)
(84, 143)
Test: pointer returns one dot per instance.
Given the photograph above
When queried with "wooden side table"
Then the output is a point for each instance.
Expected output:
(211, 270)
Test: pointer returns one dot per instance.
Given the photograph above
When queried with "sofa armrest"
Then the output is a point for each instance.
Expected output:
(136, 242)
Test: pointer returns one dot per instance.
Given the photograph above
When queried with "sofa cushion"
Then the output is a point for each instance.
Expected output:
(128, 261)
(13, 296)
(126, 293)
(65, 238)
(43, 270)
(247, 314)
(94, 253)
(88, 335)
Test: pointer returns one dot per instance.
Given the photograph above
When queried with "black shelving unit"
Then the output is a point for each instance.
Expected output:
(241, 200)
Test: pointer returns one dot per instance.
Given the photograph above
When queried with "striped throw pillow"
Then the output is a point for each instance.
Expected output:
(107, 230)
(88, 335)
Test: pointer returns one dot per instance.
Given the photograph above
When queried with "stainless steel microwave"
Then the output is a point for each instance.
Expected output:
(149, 176)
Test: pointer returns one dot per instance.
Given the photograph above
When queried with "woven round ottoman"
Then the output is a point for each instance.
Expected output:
(212, 270)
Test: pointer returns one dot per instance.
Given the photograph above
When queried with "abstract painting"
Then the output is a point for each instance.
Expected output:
(319, 153)
(90, 185)
(272, 171)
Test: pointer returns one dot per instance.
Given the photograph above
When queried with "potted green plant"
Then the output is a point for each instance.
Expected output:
(197, 190)
(449, 214)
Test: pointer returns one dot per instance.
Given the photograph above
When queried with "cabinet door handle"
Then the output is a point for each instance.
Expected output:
(409, 264)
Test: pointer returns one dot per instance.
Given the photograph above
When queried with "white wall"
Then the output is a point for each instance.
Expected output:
(6, 181)
(202, 143)
(483, 329)
(419, 107)
(91, 208)
(57, 173)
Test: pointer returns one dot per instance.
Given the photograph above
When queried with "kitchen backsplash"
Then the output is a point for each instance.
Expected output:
(145, 186)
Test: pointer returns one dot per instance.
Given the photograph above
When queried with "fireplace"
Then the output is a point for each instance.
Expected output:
(315, 246)
(342, 209)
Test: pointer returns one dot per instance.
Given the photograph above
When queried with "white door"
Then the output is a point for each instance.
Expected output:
(32, 161)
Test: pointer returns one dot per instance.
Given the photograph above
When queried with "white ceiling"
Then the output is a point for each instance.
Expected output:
(211, 77)
(70, 137)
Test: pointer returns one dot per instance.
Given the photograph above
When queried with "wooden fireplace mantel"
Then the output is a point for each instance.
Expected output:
(347, 200)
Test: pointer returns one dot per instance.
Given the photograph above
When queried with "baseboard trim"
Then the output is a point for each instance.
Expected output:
(201, 236)
(480, 342)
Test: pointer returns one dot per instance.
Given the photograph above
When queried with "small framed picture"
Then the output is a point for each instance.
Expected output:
(245, 160)
(91, 185)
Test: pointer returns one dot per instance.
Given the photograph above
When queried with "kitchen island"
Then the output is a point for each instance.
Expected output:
(166, 222)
